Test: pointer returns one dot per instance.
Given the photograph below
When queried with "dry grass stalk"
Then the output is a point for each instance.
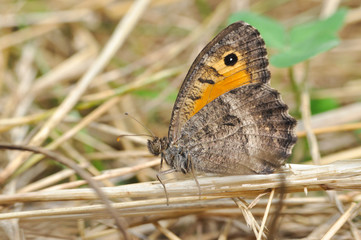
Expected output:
(45, 52)
(337, 176)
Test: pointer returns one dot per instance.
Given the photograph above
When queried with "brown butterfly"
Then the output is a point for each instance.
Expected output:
(227, 119)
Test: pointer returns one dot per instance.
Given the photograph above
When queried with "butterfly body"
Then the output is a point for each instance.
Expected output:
(227, 119)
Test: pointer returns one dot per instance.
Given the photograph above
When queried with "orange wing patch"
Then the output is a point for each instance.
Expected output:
(228, 78)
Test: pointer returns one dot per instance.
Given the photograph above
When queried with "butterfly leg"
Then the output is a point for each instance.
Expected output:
(191, 167)
(159, 174)
(161, 160)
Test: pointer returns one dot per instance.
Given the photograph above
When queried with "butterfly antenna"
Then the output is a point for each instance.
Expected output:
(132, 135)
(141, 124)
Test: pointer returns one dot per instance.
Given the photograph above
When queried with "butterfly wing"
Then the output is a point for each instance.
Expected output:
(235, 57)
(246, 130)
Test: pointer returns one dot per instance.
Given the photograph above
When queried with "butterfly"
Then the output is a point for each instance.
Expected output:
(227, 119)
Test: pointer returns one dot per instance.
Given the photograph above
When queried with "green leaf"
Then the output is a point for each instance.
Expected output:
(144, 93)
(272, 32)
(323, 105)
(328, 26)
(308, 40)
(301, 43)
(203, 7)
(98, 164)
(304, 51)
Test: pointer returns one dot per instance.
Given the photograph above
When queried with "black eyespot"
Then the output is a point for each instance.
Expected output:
(230, 59)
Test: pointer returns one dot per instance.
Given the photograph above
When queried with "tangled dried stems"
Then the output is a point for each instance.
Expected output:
(70, 72)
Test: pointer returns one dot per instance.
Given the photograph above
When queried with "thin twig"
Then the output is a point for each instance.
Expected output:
(63, 160)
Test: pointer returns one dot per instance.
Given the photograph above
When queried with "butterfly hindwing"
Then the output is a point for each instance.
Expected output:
(246, 130)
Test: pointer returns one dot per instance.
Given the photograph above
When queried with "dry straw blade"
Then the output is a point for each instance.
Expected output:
(66, 37)
(148, 197)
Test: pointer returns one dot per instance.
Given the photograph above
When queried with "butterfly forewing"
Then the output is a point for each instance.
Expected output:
(235, 57)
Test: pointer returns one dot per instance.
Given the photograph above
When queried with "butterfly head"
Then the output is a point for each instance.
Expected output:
(157, 145)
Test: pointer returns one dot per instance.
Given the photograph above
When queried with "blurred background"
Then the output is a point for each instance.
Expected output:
(61, 90)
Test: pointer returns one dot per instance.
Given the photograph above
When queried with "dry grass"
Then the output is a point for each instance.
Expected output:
(70, 69)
